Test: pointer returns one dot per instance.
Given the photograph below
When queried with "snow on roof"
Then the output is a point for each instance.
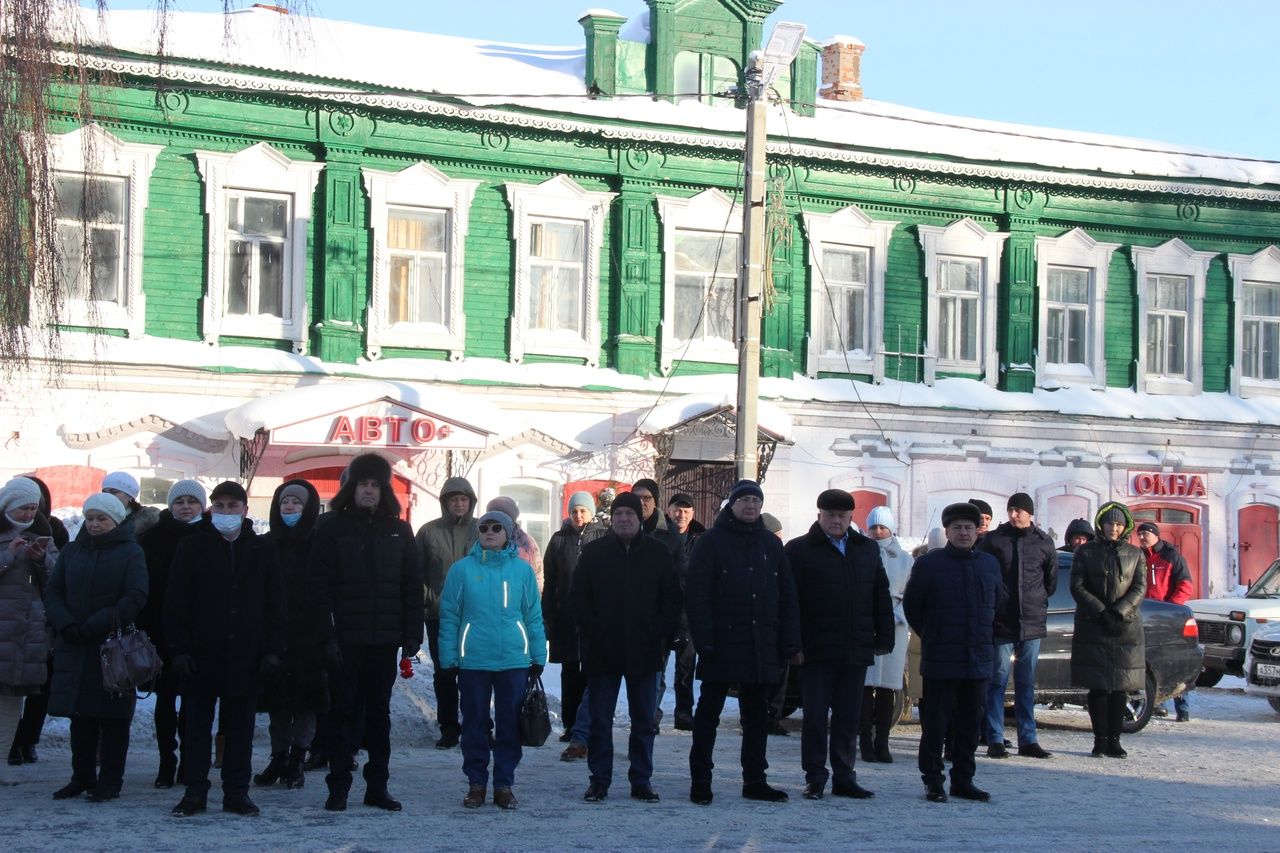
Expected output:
(471, 68)
(667, 415)
(842, 40)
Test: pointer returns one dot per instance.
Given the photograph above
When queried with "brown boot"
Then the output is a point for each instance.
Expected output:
(504, 799)
(475, 797)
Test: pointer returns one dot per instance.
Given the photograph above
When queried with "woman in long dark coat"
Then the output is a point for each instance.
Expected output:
(103, 570)
(302, 691)
(1108, 651)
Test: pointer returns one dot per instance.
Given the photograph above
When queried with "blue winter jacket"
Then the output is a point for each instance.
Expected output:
(951, 602)
(491, 613)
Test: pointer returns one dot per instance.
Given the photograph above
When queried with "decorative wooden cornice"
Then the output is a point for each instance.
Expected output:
(149, 423)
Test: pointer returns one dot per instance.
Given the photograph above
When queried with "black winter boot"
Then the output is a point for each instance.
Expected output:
(293, 776)
(1116, 703)
(1096, 704)
(866, 726)
(273, 771)
(884, 723)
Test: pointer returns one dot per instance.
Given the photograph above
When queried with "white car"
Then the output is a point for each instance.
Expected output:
(1262, 665)
(1228, 625)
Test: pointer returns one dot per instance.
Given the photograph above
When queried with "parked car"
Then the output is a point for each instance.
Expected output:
(1227, 625)
(1174, 655)
(1262, 665)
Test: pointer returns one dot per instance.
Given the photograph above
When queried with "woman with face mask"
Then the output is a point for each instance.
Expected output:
(491, 632)
(187, 502)
(26, 554)
(302, 691)
(100, 579)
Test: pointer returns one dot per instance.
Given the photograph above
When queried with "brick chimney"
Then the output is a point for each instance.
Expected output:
(842, 69)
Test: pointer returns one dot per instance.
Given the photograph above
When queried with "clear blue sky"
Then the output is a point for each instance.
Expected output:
(1192, 72)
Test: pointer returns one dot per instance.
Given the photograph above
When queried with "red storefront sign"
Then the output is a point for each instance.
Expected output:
(391, 430)
(1146, 483)
(383, 423)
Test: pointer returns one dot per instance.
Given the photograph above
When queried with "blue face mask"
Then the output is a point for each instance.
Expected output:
(225, 523)
(290, 518)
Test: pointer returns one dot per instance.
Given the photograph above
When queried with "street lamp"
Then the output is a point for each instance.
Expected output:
(762, 69)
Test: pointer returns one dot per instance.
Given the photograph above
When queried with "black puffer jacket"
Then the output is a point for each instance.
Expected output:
(1077, 527)
(369, 578)
(558, 568)
(1029, 569)
(846, 615)
(225, 607)
(304, 685)
(951, 601)
(626, 601)
(741, 602)
(159, 544)
(1109, 575)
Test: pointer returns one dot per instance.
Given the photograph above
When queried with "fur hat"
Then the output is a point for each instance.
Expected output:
(188, 489)
(582, 499)
(881, 516)
(229, 489)
(961, 512)
(771, 523)
(627, 500)
(505, 505)
(20, 491)
(105, 504)
(1022, 501)
(983, 507)
(836, 500)
(122, 481)
(507, 522)
(745, 488)
(369, 466)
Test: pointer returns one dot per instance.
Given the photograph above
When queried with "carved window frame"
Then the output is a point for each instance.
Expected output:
(1173, 258)
(1262, 267)
(1076, 249)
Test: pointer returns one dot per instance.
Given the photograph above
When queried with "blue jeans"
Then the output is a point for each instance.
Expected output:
(1025, 654)
(581, 732)
(506, 687)
(1182, 703)
(603, 690)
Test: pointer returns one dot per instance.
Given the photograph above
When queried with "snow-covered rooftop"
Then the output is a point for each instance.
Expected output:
(549, 79)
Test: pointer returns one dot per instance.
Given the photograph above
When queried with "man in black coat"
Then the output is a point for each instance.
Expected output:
(950, 602)
(743, 617)
(655, 524)
(680, 520)
(1029, 569)
(846, 619)
(626, 602)
(224, 619)
(369, 580)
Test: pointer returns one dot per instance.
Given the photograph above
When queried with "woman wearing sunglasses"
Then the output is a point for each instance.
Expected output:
(491, 632)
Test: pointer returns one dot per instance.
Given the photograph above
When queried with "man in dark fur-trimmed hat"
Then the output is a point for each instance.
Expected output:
(369, 580)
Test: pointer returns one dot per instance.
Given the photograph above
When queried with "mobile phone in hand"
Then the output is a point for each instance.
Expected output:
(44, 541)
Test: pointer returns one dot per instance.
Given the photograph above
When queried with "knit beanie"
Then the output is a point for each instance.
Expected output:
(122, 481)
(937, 538)
(105, 504)
(983, 507)
(1149, 527)
(188, 489)
(20, 491)
(505, 505)
(1114, 515)
(648, 485)
(1022, 501)
(745, 488)
(627, 500)
(881, 516)
(582, 499)
(508, 524)
(295, 490)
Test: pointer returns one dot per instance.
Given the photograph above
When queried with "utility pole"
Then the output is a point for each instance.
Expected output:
(762, 69)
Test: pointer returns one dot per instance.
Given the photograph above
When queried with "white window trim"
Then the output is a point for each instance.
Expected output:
(94, 151)
(557, 198)
(258, 168)
(1262, 266)
(1172, 258)
(966, 239)
(419, 186)
(710, 211)
(1075, 248)
(848, 226)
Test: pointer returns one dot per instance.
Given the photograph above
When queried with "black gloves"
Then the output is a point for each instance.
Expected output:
(75, 634)
(333, 656)
(271, 667)
(535, 670)
(1112, 622)
(408, 650)
(184, 666)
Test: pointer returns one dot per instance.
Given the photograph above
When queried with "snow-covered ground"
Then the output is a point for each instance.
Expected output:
(1210, 782)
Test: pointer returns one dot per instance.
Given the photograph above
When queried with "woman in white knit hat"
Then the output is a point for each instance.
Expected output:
(126, 488)
(27, 553)
(885, 675)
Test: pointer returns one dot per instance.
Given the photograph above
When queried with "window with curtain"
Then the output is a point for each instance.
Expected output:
(417, 249)
(557, 262)
(1260, 345)
(959, 306)
(91, 213)
(843, 292)
(257, 246)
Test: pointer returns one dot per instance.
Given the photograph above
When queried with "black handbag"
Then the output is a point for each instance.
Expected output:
(129, 658)
(535, 719)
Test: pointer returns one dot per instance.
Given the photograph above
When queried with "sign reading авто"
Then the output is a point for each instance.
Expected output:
(383, 423)
(1171, 485)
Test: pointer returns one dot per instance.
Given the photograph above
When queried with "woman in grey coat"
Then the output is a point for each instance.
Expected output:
(103, 570)
(1108, 651)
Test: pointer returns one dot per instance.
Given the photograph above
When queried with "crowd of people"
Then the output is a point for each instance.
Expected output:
(311, 621)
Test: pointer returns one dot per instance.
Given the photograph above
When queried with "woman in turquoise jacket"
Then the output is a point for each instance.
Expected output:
(491, 632)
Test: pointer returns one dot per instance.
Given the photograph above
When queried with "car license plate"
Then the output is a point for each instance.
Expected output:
(1268, 670)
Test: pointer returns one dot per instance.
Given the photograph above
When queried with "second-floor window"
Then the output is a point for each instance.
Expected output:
(1167, 325)
(92, 232)
(706, 283)
(257, 242)
(959, 309)
(417, 254)
(703, 76)
(557, 261)
(1067, 315)
(844, 314)
(1260, 344)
